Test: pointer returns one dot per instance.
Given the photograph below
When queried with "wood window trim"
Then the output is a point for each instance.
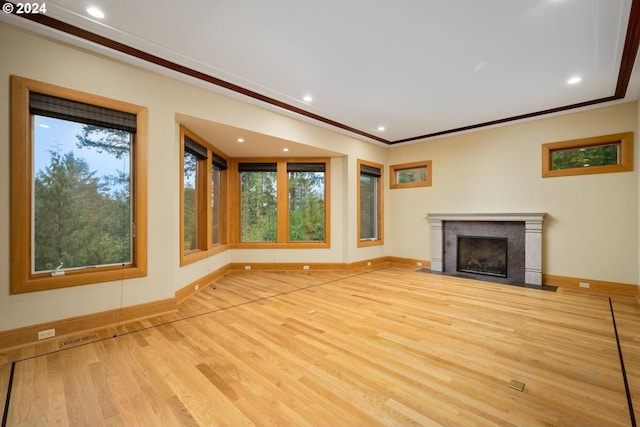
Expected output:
(206, 247)
(282, 215)
(380, 240)
(625, 163)
(22, 279)
(393, 175)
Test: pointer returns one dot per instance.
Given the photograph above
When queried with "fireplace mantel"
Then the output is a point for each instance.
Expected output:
(533, 238)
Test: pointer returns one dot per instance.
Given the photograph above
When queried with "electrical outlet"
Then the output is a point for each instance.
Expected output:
(419, 263)
(585, 285)
(197, 287)
(247, 267)
(305, 267)
(46, 334)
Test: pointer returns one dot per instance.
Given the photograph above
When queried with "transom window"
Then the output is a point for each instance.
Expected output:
(601, 154)
(408, 175)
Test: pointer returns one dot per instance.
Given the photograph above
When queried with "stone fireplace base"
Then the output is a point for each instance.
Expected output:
(525, 249)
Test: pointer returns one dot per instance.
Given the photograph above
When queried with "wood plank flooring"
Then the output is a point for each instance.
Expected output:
(385, 347)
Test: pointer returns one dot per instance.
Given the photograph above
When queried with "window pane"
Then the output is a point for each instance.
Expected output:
(258, 206)
(368, 207)
(306, 206)
(190, 201)
(215, 205)
(600, 155)
(82, 195)
(405, 176)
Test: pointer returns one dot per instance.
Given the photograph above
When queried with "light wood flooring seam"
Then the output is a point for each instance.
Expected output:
(622, 367)
(181, 319)
(383, 346)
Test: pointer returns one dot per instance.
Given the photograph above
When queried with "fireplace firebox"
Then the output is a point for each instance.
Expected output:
(482, 255)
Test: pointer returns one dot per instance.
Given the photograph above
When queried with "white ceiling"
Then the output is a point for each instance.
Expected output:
(416, 67)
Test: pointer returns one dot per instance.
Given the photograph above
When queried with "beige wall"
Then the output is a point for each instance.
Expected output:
(591, 228)
(487, 171)
(35, 57)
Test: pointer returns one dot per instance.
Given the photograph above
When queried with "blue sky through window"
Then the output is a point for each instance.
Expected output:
(61, 135)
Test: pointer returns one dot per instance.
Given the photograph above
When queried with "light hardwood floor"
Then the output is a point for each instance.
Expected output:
(384, 347)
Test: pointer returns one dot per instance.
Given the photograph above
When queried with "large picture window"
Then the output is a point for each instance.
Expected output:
(370, 206)
(203, 194)
(78, 188)
(283, 202)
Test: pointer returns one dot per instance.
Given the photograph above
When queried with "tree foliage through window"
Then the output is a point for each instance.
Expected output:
(82, 217)
(259, 206)
(306, 206)
(600, 155)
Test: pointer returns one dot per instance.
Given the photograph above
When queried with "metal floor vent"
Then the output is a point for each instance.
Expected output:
(75, 341)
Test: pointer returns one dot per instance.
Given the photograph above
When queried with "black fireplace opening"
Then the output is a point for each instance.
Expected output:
(482, 255)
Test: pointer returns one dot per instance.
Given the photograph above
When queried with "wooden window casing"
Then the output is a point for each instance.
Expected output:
(23, 279)
(625, 155)
(379, 213)
(205, 215)
(282, 237)
(395, 169)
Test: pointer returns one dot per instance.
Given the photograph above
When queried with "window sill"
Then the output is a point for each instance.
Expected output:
(44, 281)
(273, 245)
(200, 254)
(370, 242)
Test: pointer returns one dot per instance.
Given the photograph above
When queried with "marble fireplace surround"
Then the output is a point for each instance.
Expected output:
(532, 236)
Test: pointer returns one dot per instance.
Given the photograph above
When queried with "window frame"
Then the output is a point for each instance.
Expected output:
(394, 169)
(625, 159)
(282, 211)
(380, 206)
(206, 246)
(260, 168)
(22, 278)
(221, 205)
(324, 201)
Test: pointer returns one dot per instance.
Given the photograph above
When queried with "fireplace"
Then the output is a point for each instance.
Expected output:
(482, 255)
(523, 251)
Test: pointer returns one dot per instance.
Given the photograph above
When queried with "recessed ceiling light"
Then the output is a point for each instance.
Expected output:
(574, 80)
(95, 12)
(381, 128)
(307, 98)
(240, 140)
(285, 149)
